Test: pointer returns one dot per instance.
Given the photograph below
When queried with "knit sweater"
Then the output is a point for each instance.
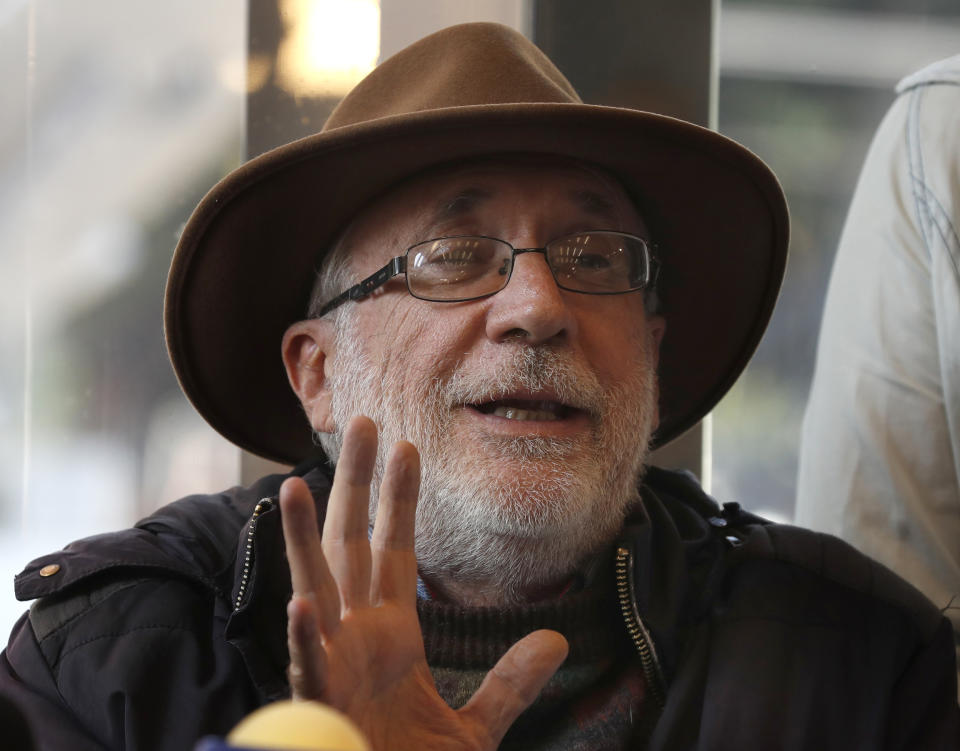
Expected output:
(597, 700)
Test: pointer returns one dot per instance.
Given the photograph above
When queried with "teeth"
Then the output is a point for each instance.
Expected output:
(515, 413)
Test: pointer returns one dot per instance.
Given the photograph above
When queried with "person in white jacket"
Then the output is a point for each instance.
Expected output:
(880, 449)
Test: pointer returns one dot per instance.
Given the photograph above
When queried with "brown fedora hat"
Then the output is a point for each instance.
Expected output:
(244, 266)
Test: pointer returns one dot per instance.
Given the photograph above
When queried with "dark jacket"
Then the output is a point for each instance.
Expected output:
(761, 636)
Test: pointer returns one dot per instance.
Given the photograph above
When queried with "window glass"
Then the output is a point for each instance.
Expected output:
(115, 117)
(804, 85)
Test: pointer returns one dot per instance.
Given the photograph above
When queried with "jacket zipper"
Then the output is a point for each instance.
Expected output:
(265, 504)
(635, 628)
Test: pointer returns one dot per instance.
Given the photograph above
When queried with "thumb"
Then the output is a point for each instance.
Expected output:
(514, 682)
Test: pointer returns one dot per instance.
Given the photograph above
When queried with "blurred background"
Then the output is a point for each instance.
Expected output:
(118, 115)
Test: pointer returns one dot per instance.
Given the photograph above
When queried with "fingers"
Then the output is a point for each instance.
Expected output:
(345, 543)
(308, 660)
(308, 571)
(315, 606)
(394, 562)
(332, 574)
(515, 682)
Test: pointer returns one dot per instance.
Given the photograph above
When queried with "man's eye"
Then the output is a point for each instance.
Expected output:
(457, 252)
(454, 257)
(583, 262)
(592, 262)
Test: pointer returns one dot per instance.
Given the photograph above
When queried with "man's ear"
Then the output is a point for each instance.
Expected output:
(308, 351)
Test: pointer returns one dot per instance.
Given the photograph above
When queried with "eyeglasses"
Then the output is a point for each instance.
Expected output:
(467, 267)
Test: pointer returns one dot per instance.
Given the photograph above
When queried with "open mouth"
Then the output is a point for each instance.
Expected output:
(525, 410)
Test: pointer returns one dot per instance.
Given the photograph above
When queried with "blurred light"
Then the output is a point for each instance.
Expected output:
(259, 68)
(329, 45)
(241, 75)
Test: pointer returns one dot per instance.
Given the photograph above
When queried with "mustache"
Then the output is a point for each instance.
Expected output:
(543, 371)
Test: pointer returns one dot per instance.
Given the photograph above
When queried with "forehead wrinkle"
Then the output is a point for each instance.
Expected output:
(462, 202)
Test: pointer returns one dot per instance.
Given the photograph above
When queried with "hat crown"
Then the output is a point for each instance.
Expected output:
(470, 64)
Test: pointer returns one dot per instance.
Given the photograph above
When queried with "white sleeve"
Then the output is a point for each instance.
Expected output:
(880, 448)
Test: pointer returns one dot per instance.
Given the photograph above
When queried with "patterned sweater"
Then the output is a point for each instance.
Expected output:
(597, 698)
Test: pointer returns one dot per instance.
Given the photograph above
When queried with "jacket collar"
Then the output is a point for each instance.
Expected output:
(673, 537)
(677, 556)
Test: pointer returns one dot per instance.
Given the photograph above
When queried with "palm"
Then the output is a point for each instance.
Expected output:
(355, 640)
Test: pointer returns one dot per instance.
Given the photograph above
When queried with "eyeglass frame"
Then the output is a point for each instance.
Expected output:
(398, 265)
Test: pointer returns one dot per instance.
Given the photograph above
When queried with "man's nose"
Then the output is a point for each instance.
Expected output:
(531, 306)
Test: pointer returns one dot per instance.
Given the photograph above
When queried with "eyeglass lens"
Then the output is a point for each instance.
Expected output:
(460, 268)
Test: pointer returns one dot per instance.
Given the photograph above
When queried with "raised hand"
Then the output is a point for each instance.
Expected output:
(354, 636)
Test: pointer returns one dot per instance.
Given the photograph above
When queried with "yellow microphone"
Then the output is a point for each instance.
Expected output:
(291, 726)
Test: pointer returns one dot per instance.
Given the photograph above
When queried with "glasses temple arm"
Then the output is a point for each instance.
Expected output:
(363, 288)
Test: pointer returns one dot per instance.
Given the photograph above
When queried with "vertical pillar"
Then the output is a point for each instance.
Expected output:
(651, 55)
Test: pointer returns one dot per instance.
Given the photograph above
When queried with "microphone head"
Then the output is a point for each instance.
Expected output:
(292, 726)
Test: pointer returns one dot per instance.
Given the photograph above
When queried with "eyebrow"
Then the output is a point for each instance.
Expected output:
(460, 203)
(594, 203)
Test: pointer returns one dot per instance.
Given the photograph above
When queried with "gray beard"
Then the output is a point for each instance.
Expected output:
(535, 526)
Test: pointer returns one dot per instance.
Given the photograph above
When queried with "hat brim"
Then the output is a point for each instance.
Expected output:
(244, 266)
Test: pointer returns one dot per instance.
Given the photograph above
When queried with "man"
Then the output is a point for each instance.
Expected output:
(522, 292)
